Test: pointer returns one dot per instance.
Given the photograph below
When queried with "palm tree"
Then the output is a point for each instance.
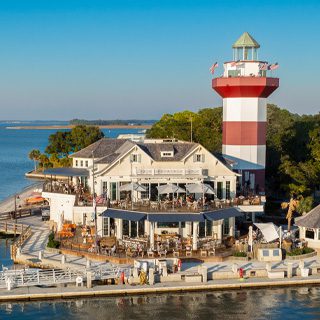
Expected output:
(292, 206)
(44, 161)
(35, 156)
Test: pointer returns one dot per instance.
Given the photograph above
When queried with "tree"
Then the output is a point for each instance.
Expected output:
(291, 206)
(44, 161)
(206, 127)
(82, 136)
(305, 205)
(62, 143)
(34, 155)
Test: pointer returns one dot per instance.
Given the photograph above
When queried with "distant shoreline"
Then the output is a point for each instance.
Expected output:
(61, 127)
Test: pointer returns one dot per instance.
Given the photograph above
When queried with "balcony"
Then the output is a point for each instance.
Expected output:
(171, 172)
(232, 87)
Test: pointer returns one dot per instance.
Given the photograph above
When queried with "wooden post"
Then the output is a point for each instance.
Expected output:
(53, 275)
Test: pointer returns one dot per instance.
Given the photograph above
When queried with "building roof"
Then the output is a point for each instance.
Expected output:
(240, 164)
(310, 220)
(246, 40)
(180, 150)
(116, 154)
(100, 148)
(67, 172)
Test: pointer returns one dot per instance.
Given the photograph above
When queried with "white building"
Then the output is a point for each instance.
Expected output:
(108, 164)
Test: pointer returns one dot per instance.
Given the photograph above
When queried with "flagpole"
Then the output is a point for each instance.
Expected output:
(191, 129)
(94, 204)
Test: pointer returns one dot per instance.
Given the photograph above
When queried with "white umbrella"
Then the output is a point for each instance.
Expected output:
(269, 230)
(199, 188)
(132, 186)
(170, 188)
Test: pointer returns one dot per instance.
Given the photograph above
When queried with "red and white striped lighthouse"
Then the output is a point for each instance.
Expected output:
(245, 87)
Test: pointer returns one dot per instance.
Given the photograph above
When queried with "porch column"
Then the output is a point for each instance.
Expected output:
(231, 227)
(149, 190)
(195, 236)
(119, 229)
(188, 228)
(253, 217)
(151, 235)
(302, 232)
(220, 236)
(109, 227)
(137, 229)
(129, 228)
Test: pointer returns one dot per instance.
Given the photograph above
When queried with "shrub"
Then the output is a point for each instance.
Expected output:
(52, 243)
(300, 251)
(240, 254)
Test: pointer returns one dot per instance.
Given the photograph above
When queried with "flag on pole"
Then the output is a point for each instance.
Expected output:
(215, 65)
(239, 63)
(234, 63)
(274, 66)
(263, 66)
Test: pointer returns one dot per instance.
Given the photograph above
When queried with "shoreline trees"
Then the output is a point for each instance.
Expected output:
(63, 143)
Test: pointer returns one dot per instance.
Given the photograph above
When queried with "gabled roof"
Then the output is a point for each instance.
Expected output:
(246, 40)
(100, 148)
(118, 153)
(180, 150)
(310, 220)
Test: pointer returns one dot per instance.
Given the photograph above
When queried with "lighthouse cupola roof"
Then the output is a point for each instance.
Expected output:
(246, 40)
(245, 48)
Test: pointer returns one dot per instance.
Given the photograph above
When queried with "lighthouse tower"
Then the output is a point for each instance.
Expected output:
(245, 86)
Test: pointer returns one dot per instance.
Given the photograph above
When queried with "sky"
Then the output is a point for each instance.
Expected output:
(125, 59)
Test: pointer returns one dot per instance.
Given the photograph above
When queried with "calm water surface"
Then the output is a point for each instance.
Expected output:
(15, 146)
(299, 303)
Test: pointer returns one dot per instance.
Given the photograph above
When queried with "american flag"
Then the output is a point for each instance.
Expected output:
(274, 66)
(233, 63)
(239, 63)
(263, 66)
(215, 65)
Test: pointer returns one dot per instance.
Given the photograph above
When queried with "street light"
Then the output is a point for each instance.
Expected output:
(94, 203)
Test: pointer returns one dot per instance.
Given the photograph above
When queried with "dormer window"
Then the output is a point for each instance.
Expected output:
(166, 154)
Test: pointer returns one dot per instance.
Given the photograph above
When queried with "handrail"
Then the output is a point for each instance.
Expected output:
(24, 232)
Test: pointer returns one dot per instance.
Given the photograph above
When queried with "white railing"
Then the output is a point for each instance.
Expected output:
(34, 277)
(178, 172)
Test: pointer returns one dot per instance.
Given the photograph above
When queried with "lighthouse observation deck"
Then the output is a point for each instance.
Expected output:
(245, 79)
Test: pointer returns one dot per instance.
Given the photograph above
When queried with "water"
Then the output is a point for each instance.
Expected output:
(288, 303)
(15, 146)
(5, 259)
(300, 303)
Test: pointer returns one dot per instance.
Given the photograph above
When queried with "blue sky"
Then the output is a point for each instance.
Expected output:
(93, 59)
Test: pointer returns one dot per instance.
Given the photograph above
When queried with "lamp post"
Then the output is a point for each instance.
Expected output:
(94, 203)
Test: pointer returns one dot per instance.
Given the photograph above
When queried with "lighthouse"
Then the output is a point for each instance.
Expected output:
(245, 86)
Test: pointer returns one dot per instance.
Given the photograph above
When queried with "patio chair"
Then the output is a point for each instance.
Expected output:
(150, 254)
(188, 253)
(162, 253)
(203, 253)
(175, 254)
(212, 252)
